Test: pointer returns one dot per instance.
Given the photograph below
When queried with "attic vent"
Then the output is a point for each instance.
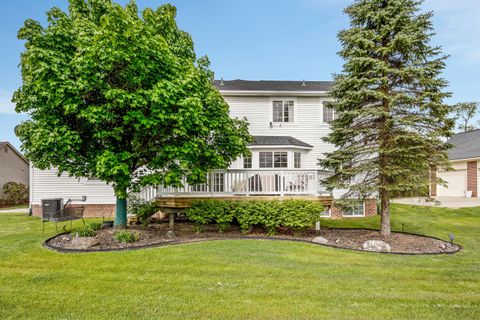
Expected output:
(5, 149)
(304, 84)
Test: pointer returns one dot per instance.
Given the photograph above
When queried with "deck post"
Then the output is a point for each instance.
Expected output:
(247, 185)
(171, 218)
(282, 183)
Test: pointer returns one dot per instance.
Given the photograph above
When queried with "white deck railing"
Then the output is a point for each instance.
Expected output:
(247, 182)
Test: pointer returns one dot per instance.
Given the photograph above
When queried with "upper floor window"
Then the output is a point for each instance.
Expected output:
(297, 160)
(328, 112)
(273, 159)
(283, 111)
(247, 162)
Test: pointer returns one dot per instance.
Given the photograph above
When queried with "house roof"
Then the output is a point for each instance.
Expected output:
(273, 85)
(278, 141)
(3, 143)
(466, 145)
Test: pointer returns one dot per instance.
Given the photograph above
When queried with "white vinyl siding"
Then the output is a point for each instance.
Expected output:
(46, 184)
(308, 127)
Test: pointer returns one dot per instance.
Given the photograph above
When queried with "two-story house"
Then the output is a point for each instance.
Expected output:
(287, 120)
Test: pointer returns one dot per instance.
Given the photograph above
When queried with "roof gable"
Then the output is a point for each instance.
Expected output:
(8, 144)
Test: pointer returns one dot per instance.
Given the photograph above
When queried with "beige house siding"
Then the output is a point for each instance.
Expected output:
(13, 168)
(458, 179)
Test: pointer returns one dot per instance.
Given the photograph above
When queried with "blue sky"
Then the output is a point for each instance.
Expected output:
(262, 39)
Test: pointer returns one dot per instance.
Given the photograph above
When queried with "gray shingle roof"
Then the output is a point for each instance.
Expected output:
(273, 85)
(466, 145)
(278, 141)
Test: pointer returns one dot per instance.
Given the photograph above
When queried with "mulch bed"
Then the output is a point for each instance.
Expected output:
(155, 235)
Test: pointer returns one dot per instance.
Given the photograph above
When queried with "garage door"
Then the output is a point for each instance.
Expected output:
(456, 186)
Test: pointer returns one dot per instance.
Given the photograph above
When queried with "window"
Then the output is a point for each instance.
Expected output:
(273, 160)
(297, 160)
(354, 210)
(328, 112)
(280, 160)
(283, 111)
(247, 162)
(266, 160)
(218, 182)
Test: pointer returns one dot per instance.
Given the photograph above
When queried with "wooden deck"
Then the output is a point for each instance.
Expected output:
(184, 202)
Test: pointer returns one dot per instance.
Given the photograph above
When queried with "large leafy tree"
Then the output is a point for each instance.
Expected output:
(119, 95)
(391, 118)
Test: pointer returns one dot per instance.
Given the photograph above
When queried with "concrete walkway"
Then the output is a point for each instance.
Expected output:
(18, 210)
(445, 202)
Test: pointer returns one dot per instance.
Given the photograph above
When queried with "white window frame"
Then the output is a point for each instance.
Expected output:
(299, 160)
(272, 159)
(250, 162)
(324, 103)
(355, 215)
(292, 120)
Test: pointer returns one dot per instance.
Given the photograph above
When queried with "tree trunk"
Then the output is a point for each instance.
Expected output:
(385, 213)
(121, 213)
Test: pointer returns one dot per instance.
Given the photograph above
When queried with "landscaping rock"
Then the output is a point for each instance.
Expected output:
(170, 234)
(320, 240)
(376, 246)
(83, 243)
(443, 246)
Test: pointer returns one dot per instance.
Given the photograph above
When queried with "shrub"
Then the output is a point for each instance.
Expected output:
(142, 209)
(95, 226)
(15, 193)
(297, 215)
(126, 236)
(85, 231)
(212, 211)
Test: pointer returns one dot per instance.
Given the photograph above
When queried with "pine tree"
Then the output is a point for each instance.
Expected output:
(391, 118)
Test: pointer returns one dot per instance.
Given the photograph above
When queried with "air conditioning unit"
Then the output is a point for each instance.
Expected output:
(52, 207)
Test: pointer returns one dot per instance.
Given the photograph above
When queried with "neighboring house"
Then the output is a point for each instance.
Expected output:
(13, 166)
(287, 120)
(464, 157)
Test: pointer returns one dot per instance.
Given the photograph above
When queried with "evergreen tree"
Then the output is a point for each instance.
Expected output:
(391, 119)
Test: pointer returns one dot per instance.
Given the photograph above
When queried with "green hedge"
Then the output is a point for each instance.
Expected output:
(296, 215)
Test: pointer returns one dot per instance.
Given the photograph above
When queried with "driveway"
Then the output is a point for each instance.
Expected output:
(445, 202)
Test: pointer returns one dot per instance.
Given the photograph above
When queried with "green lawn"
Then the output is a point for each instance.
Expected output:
(244, 279)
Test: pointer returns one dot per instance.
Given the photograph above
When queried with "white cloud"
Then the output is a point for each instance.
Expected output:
(6, 104)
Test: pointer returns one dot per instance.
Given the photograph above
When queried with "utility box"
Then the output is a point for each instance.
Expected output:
(52, 208)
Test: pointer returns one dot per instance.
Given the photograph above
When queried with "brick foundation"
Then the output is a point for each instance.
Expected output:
(91, 210)
(472, 177)
(370, 210)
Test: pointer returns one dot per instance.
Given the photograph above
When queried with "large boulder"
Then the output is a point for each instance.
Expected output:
(320, 240)
(83, 243)
(376, 246)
